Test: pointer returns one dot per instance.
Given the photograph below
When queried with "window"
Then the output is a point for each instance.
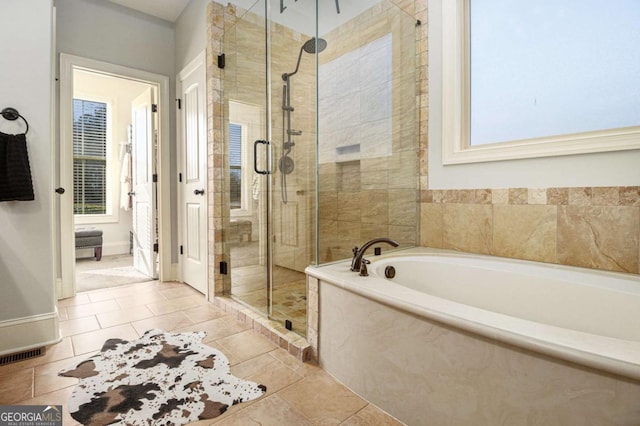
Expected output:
(240, 173)
(245, 125)
(235, 165)
(90, 157)
(536, 79)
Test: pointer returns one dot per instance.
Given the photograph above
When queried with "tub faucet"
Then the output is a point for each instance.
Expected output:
(356, 262)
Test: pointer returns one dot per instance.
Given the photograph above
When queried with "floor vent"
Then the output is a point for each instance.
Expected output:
(21, 356)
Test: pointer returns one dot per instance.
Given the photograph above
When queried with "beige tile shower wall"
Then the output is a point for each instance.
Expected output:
(215, 154)
(374, 197)
(594, 227)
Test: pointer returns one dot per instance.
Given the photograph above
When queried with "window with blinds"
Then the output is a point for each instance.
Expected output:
(235, 165)
(89, 157)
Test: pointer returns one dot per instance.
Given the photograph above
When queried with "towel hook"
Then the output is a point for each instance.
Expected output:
(12, 114)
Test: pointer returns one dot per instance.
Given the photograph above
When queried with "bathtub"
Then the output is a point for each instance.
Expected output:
(457, 338)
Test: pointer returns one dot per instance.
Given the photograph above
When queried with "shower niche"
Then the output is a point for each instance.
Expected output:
(319, 135)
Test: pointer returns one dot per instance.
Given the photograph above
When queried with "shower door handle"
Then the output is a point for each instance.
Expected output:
(255, 156)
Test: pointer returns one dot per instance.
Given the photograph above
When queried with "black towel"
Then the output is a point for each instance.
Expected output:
(15, 174)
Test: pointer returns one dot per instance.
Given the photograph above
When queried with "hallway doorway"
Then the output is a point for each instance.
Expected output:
(111, 121)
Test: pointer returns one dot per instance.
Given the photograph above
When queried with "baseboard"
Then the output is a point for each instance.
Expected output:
(109, 249)
(112, 249)
(28, 333)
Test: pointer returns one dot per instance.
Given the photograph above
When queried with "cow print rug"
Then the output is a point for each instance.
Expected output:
(158, 379)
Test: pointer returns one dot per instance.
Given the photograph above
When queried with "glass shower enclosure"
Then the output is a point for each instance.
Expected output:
(320, 137)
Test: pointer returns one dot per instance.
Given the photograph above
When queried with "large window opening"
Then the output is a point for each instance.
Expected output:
(552, 67)
(542, 79)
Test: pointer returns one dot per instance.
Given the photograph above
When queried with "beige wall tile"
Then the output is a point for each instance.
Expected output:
(483, 196)
(500, 196)
(468, 227)
(525, 232)
(407, 236)
(518, 195)
(403, 207)
(580, 196)
(599, 237)
(537, 196)
(605, 196)
(629, 195)
(375, 207)
(431, 225)
(557, 196)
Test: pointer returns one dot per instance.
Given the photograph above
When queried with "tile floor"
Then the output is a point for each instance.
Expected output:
(297, 393)
(111, 271)
(248, 284)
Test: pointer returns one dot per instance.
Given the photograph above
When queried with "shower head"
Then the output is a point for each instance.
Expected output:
(309, 46)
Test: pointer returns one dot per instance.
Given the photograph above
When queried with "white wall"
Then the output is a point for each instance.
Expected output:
(101, 30)
(191, 32)
(121, 92)
(26, 227)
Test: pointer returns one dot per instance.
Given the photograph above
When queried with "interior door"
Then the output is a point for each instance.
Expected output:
(193, 175)
(144, 136)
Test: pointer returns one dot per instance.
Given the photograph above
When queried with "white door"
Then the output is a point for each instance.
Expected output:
(192, 175)
(144, 195)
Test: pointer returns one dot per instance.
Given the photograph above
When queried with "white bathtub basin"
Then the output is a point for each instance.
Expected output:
(585, 316)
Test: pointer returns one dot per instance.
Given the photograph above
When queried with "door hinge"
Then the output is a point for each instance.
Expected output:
(156, 247)
(181, 249)
(223, 268)
(179, 177)
(221, 61)
(154, 178)
(154, 107)
(179, 103)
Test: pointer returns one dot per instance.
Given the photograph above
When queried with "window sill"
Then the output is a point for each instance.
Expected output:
(94, 219)
(583, 143)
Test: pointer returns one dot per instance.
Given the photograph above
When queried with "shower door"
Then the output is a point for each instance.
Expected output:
(270, 141)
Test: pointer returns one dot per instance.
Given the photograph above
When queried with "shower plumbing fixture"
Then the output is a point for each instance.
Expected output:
(286, 164)
(358, 254)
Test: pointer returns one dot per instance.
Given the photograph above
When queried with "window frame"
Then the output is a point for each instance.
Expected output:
(456, 148)
(112, 213)
(251, 117)
(245, 171)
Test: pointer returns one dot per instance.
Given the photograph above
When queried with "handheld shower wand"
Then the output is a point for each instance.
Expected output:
(286, 164)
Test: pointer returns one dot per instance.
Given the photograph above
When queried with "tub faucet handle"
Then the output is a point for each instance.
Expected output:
(363, 268)
(358, 253)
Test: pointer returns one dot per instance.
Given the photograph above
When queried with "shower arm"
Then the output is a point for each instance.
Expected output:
(286, 76)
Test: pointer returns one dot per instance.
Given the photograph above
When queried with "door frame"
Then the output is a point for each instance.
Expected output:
(199, 62)
(66, 287)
